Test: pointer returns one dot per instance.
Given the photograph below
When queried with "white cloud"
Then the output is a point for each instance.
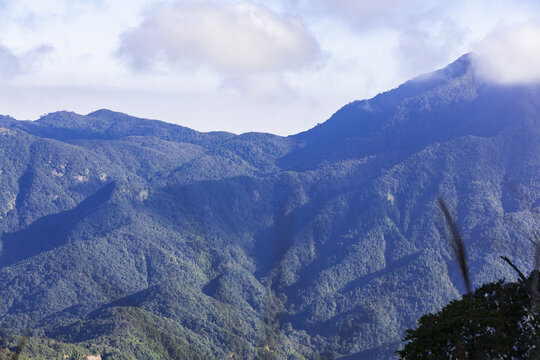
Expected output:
(9, 63)
(231, 58)
(511, 54)
(233, 38)
(426, 33)
(12, 65)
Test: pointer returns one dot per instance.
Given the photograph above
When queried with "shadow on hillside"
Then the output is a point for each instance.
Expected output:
(50, 231)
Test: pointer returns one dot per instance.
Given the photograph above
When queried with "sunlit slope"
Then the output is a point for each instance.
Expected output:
(130, 236)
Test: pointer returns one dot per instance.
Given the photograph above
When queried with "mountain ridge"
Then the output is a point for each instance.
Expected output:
(322, 244)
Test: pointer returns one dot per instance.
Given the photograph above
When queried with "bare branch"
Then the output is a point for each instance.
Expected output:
(523, 277)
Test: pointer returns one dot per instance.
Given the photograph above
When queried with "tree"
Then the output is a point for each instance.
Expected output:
(496, 321)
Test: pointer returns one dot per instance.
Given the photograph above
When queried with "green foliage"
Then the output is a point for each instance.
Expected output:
(496, 321)
(134, 238)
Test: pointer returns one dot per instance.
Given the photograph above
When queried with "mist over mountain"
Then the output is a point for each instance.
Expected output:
(138, 239)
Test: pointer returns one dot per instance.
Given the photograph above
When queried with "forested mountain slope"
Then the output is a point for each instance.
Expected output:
(135, 238)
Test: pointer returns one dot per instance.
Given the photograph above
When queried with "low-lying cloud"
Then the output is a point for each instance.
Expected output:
(511, 55)
(237, 38)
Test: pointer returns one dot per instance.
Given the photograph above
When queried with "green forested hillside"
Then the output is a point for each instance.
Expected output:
(136, 239)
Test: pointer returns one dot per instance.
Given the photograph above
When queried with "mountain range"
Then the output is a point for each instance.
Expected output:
(131, 238)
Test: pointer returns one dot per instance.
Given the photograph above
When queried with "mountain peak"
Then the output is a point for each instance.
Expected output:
(62, 118)
(124, 227)
(106, 113)
(56, 114)
(456, 69)
(437, 106)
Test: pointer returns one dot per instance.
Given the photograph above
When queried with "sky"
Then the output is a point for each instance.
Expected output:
(279, 66)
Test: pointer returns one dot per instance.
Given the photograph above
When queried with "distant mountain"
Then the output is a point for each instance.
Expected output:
(137, 239)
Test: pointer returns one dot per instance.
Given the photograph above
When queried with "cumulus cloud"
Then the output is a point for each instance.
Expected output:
(233, 38)
(511, 54)
(426, 33)
(12, 65)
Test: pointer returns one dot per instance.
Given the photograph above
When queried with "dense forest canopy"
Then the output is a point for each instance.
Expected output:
(130, 238)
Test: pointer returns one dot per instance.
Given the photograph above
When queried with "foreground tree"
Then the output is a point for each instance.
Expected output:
(496, 321)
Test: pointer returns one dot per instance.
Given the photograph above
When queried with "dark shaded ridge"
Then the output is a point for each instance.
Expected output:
(50, 231)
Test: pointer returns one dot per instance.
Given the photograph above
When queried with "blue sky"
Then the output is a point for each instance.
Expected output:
(273, 66)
